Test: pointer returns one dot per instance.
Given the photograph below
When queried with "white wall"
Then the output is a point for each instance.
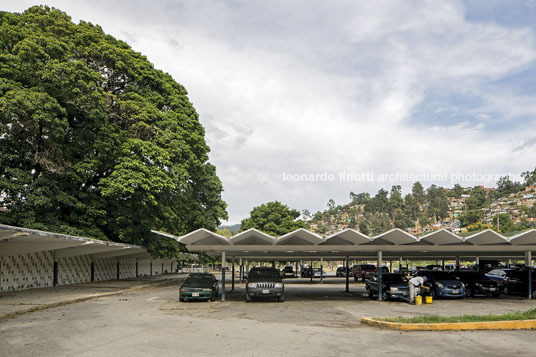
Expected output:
(36, 270)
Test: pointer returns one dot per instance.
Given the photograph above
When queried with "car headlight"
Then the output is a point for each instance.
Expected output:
(393, 289)
(439, 285)
(252, 285)
(278, 285)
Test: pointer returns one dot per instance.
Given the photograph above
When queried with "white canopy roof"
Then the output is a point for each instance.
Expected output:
(302, 243)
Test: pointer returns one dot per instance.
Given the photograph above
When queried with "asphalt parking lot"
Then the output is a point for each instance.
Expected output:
(314, 320)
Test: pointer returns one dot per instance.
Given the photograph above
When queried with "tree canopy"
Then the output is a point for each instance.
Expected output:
(94, 140)
(273, 218)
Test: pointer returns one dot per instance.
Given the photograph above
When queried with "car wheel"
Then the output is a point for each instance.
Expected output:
(281, 298)
(534, 294)
(385, 296)
(468, 292)
(248, 298)
(506, 290)
(434, 294)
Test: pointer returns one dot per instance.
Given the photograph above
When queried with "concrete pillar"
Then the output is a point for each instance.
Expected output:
(477, 263)
(232, 275)
(241, 270)
(347, 275)
(390, 266)
(92, 278)
(400, 265)
(223, 276)
(442, 264)
(457, 263)
(118, 271)
(380, 280)
(528, 265)
(321, 270)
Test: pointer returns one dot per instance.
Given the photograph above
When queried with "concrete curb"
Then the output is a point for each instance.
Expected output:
(453, 326)
(77, 300)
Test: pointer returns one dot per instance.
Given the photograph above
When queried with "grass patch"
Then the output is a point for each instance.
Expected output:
(514, 316)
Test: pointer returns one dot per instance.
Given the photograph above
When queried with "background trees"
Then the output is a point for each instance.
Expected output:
(273, 218)
(94, 140)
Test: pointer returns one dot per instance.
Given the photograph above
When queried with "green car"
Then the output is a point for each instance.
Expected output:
(199, 286)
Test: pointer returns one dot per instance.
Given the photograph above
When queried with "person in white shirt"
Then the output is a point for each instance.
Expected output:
(414, 283)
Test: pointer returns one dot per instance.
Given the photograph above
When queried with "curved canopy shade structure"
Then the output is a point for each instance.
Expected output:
(441, 237)
(347, 237)
(252, 237)
(486, 237)
(18, 240)
(299, 237)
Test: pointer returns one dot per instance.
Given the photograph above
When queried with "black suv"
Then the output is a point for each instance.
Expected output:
(265, 282)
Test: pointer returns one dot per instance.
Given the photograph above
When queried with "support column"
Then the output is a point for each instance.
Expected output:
(118, 271)
(477, 263)
(162, 270)
(380, 280)
(223, 276)
(457, 263)
(232, 275)
(241, 270)
(55, 278)
(347, 276)
(92, 278)
(508, 262)
(312, 271)
(301, 269)
(151, 268)
(528, 265)
(442, 264)
(321, 270)
(296, 271)
(390, 266)
(400, 265)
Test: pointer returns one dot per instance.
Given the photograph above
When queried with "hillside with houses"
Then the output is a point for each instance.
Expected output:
(509, 208)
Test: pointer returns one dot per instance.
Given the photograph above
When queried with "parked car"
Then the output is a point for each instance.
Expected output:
(288, 272)
(317, 273)
(363, 271)
(199, 286)
(394, 286)
(433, 267)
(498, 275)
(488, 265)
(341, 272)
(265, 282)
(306, 272)
(443, 284)
(477, 283)
(517, 282)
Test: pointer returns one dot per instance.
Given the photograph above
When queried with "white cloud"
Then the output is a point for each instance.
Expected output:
(308, 88)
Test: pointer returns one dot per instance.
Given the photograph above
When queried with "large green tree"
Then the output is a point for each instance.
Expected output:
(273, 218)
(94, 140)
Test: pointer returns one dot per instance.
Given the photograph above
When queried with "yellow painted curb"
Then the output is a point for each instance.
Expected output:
(453, 326)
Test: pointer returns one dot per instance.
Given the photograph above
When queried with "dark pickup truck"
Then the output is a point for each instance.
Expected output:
(395, 286)
(265, 282)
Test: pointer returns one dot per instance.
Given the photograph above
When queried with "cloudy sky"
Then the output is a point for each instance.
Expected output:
(294, 94)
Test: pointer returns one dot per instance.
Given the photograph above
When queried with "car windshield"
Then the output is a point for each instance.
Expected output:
(199, 279)
(441, 275)
(264, 274)
(368, 267)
